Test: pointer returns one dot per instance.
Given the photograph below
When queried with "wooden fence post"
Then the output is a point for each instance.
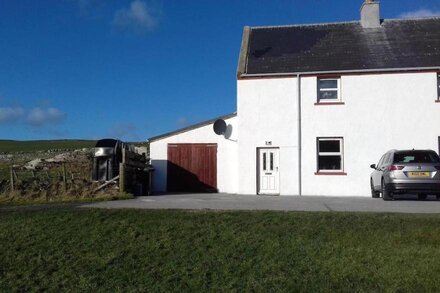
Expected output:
(64, 178)
(12, 178)
(121, 177)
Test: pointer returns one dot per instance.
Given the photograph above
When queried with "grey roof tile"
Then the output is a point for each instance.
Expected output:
(344, 46)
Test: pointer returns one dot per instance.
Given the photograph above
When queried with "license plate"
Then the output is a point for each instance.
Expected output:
(419, 174)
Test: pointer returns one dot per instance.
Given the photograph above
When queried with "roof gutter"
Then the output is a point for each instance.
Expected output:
(403, 69)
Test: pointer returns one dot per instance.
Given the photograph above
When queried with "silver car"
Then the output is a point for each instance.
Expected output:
(406, 171)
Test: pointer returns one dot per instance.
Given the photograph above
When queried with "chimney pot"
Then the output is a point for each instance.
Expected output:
(370, 14)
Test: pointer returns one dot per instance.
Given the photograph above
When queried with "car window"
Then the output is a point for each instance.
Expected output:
(380, 161)
(416, 157)
(390, 158)
(386, 159)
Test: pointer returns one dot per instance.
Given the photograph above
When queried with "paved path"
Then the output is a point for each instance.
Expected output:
(407, 204)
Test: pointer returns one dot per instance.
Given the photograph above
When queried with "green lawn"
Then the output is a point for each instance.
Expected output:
(43, 145)
(136, 250)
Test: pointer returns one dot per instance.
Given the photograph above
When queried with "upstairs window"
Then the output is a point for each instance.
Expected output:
(329, 90)
(330, 154)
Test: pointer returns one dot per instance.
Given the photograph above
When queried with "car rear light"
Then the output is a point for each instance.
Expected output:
(395, 167)
(437, 167)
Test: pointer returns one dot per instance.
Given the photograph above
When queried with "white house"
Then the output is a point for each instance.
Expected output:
(316, 105)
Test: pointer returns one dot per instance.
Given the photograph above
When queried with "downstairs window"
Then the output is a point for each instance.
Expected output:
(330, 155)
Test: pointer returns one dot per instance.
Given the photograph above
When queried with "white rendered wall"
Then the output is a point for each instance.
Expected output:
(267, 111)
(226, 155)
(381, 112)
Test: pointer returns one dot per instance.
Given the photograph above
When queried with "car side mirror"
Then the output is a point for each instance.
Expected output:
(373, 166)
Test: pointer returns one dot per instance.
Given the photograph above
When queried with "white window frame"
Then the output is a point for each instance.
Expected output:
(323, 154)
(438, 86)
(337, 89)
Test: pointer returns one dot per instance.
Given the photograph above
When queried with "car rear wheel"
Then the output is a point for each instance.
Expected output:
(421, 196)
(386, 194)
(374, 193)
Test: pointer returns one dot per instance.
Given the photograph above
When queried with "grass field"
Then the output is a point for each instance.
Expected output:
(43, 145)
(135, 250)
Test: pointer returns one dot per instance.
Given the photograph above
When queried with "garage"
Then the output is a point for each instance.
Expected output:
(192, 167)
(196, 158)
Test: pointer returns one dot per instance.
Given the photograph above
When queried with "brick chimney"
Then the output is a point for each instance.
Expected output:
(370, 17)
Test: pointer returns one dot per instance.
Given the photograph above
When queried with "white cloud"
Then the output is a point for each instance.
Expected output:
(42, 116)
(138, 18)
(39, 116)
(11, 114)
(421, 13)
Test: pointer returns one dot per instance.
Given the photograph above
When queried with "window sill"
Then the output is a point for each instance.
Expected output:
(329, 103)
(330, 173)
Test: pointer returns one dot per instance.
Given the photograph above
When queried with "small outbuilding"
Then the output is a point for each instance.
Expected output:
(195, 158)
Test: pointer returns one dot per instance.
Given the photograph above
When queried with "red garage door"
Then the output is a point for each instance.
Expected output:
(192, 167)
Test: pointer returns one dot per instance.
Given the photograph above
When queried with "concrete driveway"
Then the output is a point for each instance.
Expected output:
(406, 204)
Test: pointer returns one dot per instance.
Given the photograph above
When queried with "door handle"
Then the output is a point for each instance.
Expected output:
(267, 173)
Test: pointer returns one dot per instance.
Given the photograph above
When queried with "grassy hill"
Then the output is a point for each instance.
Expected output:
(43, 145)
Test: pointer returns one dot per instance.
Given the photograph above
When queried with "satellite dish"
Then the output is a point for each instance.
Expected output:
(220, 126)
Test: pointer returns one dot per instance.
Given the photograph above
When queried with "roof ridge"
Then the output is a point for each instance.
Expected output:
(413, 18)
(304, 24)
(342, 22)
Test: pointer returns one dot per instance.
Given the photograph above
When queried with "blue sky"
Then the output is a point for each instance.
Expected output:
(138, 68)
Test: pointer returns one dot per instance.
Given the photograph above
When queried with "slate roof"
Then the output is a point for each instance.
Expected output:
(413, 43)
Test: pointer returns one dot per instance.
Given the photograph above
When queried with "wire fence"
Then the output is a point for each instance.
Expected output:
(61, 177)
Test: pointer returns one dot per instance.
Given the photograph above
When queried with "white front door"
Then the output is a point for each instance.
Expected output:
(268, 173)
